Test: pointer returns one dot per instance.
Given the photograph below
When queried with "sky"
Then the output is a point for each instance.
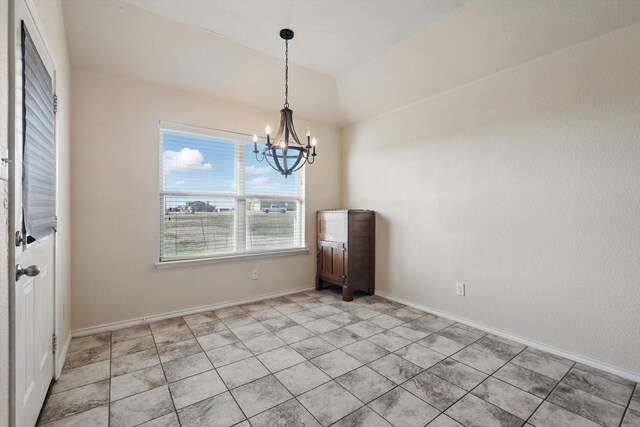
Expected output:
(204, 163)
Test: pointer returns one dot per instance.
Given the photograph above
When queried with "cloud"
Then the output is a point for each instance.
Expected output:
(271, 185)
(185, 160)
(257, 170)
(260, 181)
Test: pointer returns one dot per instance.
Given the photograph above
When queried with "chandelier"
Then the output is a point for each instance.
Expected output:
(286, 154)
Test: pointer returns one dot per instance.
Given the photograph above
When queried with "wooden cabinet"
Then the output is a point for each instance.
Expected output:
(346, 250)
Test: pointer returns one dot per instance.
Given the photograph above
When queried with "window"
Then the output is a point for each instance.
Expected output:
(218, 201)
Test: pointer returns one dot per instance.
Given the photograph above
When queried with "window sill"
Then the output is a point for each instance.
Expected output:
(162, 265)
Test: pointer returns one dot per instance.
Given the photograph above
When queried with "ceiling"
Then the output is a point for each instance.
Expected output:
(350, 59)
(112, 37)
(331, 36)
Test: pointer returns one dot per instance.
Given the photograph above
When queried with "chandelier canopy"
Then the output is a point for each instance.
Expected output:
(286, 154)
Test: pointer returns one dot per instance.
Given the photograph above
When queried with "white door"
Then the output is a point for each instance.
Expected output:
(33, 176)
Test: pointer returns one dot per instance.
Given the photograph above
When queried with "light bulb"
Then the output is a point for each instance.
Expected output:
(308, 133)
(268, 130)
(255, 138)
(314, 142)
(282, 144)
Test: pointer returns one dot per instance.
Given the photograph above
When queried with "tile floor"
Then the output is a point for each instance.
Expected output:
(310, 359)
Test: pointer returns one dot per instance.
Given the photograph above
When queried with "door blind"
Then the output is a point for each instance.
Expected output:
(38, 163)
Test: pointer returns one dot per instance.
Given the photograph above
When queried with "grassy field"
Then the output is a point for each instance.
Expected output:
(212, 232)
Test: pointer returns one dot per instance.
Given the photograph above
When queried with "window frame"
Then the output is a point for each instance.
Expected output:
(240, 196)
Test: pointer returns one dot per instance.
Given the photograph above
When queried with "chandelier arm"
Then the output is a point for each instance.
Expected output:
(286, 138)
(311, 160)
(283, 123)
(302, 163)
(270, 163)
(285, 159)
(265, 150)
(292, 129)
(307, 156)
(298, 158)
(276, 159)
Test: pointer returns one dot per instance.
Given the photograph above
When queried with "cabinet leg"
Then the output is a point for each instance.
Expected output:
(347, 294)
(318, 284)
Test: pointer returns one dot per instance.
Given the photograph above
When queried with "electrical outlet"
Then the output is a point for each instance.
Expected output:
(254, 274)
(460, 289)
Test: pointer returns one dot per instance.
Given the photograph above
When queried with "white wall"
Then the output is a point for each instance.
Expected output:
(50, 15)
(525, 186)
(115, 230)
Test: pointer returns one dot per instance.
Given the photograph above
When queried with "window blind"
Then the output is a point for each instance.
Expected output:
(39, 172)
(217, 200)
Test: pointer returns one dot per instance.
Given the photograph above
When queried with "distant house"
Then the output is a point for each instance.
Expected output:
(199, 206)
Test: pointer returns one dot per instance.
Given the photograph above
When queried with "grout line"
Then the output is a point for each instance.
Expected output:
(232, 395)
(600, 397)
(306, 360)
(626, 409)
(477, 385)
(253, 355)
(160, 364)
(175, 410)
(331, 379)
(550, 393)
(162, 367)
(626, 383)
(362, 339)
(627, 376)
(520, 388)
(306, 409)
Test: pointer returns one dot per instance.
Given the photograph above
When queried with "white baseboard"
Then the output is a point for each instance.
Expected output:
(633, 376)
(63, 356)
(107, 327)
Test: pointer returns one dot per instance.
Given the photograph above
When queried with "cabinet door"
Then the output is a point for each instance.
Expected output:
(332, 261)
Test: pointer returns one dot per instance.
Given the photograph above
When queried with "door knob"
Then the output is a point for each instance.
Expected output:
(31, 271)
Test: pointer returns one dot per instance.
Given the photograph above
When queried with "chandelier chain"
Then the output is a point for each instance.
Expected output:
(286, 74)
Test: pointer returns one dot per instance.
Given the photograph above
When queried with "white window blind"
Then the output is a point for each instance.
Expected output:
(39, 168)
(216, 200)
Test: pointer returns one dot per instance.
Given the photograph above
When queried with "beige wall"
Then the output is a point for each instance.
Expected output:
(476, 40)
(115, 231)
(50, 15)
(4, 219)
(525, 186)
